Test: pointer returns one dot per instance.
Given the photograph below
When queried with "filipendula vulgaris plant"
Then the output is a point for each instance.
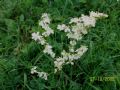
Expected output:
(75, 30)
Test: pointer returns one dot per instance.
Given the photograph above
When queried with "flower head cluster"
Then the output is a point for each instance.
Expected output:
(42, 41)
(44, 23)
(80, 25)
(37, 37)
(75, 20)
(88, 21)
(48, 50)
(97, 14)
(75, 30)
(42, 75)
(68, 57)
(63, 27)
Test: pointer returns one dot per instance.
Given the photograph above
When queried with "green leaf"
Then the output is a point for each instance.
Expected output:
(45, 1)
(83, 1)
(21, 18)
(11, 24)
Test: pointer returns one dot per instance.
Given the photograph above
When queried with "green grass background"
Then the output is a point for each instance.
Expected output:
(19, 18)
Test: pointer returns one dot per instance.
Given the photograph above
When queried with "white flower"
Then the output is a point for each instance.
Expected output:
(36, 36)
(48, 31)
(42, 41)
(88, 21)
(70, 62)
(64, 55)
(76, 29)
(45, 15)
(44, 23)
(79, 28)
(46, 18)
(70, 35)
(76, 56)
(74, 36)
(43, 75)
(71, 57)
(80, 51)
(97, 14)
(67, 29)
(52, 54)
(55, 70)
(73, 42)
(58, 63)
(40, 74)
(48, 50)
(72, 45)
(63, 27)
(33, 70)
(68, 58)
(71, 49)
(75, 20)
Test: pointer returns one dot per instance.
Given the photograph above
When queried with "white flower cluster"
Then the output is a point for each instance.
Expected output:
(80, 25)
(97, 14)
(37, 37)
(43, 75)
(48, 50)
(75, 30)
(44, 23)
(68, 58)
(63, 27)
